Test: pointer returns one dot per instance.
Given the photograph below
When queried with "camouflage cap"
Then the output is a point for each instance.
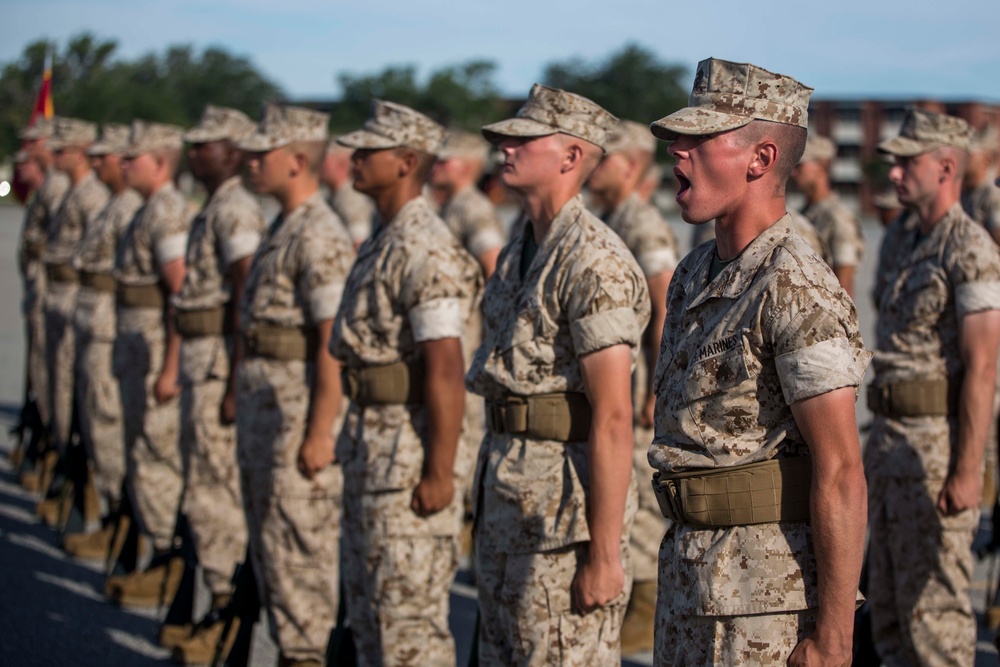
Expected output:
(114, 139)
(461, 144)
(630, 135)
(42, 128)
(728, 95)
(886, 200)
(551, 111)
(818, 149)
(394, 125)
(145, 137)
(282, 124)
(985, 141)
(923, 131)
(218, 123)
(72, 132)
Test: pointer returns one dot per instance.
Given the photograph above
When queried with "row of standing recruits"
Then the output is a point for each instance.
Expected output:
(760, 360)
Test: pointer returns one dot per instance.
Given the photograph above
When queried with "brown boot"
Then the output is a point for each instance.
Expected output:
(174, 635)
(152, 588)
(48, 510)
(29, 481)
(200, 647)
(92, 546)
(637, 628)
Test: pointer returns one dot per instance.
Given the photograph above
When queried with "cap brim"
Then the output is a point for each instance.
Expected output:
(100, 148)
(366, 139)
(696, 121)
(516, 127)
(905, 147)
(261, 143)
(201, 135)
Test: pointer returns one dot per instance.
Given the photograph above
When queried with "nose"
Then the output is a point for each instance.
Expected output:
(896, 173)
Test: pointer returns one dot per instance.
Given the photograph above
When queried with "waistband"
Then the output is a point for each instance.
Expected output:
(280, 343)
(204, 322)
(61, 273)
(563, 416)
(99, 281)
(141, 296)
(914, 398)
(398, 383)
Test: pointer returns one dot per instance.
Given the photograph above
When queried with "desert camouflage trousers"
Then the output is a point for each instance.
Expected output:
(99, 410)
(526, 613)
(152, 430)
(919, 569)
(649, 526)
(60, 356)
(293, 523)
(34, 322)
(397, 586)
(213, 503)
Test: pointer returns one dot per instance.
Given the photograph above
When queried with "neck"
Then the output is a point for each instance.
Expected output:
(116, 185)
(213, 183)
(157, 186)
(733, 233)
(542, 207)
(932, 211)
(391, 201)
(820, 191)
(615, 197)
(296, 193)
(78, 173)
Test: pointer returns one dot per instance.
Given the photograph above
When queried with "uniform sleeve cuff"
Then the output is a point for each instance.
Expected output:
(437, 319)
(821, 368)
(324, 302)
(657, 261)
(977, 297)
(240, 246)
(604, 329)
(845, 255)
(484, 241)
(170, 248)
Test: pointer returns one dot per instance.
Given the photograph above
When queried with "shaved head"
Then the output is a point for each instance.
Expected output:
(790, 140)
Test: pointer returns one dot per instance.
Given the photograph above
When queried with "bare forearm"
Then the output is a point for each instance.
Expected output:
(172, 348)
(444, 401)
(609, 454)
(974, 414)
(326, 392)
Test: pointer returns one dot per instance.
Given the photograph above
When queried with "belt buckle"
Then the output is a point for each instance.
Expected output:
(251, 342)
(668, 498)
(494, 417)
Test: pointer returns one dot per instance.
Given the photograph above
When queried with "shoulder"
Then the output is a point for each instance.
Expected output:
(596, 248)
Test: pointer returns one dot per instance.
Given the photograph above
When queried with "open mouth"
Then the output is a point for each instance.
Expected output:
(683, 184)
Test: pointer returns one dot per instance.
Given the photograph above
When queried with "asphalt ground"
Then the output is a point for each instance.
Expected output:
(52, 610)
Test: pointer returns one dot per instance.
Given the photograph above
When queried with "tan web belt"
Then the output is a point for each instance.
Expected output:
(563, 416)
(34, 249)
(204, 322)
(280, 343)
(61, 273)
(140, 296)
(915, 398)
(100, 282)
(398, 383)
(767, 492)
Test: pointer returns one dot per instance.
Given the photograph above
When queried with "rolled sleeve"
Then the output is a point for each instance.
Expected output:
(846, 253)
(821, 368)
(324, 301)
(484, 241)
(604, 329)
(170, 248)
(437, 319)
(239, 246)
(977, 297)
(655, 262)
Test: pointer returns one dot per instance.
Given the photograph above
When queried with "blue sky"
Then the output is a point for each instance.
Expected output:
(840, 47)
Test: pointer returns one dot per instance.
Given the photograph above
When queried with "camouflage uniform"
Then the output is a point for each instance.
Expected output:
(654, 247)
(295, 282)
(800, 224)
(412, 283)
(355, 209)
(82, 204)
(982, 204)
(41, 209)
(774, 327)
(156, 236)
(227, 229)
(919, 561)
(838, 230)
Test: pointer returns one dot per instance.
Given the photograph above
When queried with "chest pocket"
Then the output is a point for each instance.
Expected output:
(720, 392)
(922, 294)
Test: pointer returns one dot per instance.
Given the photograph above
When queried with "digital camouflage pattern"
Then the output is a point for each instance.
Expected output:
(393, 125)
(982, 204)
(583, 292)
(412, 283)
(99, 400)
(465, 145)
(42, 128)
(355, 209)
(281, 125)
(114, 139)
(818, 149)
(919, 568)
(839, 232)
(923, 131)
(69, 132)
(923, 288)
(920, 562)
(551, 111)
(629, 135)
(156, 236)
(296, 281)
(526, 597)
(773, 328)
(41, 208)
(800, 224)
(218, 123)
(79, 209)
(146, 137)
(647, 235)
(227, 229)
(728, 95)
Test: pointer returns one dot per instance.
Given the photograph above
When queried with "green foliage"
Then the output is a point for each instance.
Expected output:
(463, 95)
(89, 82)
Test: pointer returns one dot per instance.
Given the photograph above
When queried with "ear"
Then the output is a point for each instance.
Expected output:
(297, 163)
(407, 164)
(947, 168)
(573, 156)
(763, 160)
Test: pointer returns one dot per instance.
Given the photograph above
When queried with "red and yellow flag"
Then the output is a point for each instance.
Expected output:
(43, 103)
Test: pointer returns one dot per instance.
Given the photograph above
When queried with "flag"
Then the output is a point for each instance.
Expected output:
(43, 103)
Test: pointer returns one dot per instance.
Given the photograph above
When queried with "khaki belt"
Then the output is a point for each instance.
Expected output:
(280, 343)
(398, 383)
(205, 322)
(561, 416)
(61, 273)
(915, 398)
(34, 249)
(767, 492)
(140, 296)
(101, 282)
